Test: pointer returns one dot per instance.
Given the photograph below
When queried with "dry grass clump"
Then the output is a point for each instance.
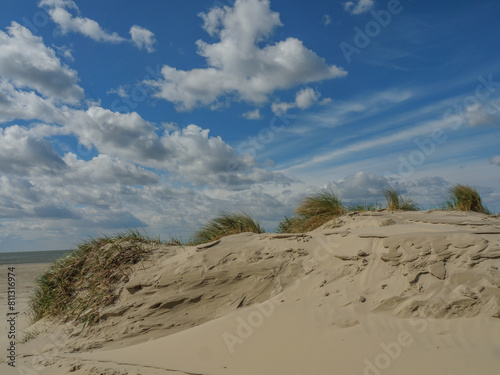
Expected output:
(77, 285)
(313, 211)
(292, 225)
(396, 202)
(30, 335)
(465, 198)
(226, 224)
(363, 206)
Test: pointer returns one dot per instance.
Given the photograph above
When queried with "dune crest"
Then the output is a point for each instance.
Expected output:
(349, 297)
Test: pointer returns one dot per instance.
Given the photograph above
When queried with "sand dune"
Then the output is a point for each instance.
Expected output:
(369, 293)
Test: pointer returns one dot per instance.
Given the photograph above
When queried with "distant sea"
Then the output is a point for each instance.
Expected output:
(32, 256)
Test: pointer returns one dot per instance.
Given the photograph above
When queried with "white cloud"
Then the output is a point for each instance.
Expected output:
(106, 170)
(82, 25)
(360, 186)
(327, 20)
(21, 152)
(121, 91)
(279, 108)
(69, 4)
(237, 65)
(65, 52)
(143, 38)
(478, 114)
(28, 63)
(25, 105)
(253, 115)
(359, 7)
(202, 159)
(59, 11)
(127, 136)
(369, 187)
(495, 160)
(189, 154)
(304, 99)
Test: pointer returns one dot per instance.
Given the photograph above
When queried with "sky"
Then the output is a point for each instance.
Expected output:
(159, 115)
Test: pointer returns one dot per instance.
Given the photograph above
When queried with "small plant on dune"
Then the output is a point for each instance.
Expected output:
(395, 201)
(77, 285)
(323, 203)
(226, 224)
(314, 211)
(291, 225)
(363, 206)
(465, 198)
(30, 335)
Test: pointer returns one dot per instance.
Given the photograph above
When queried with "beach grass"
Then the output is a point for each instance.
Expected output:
(30, 335)
(396, 202)
(314, 211)
(292, 225)
(363, 206)
(226, 224)
(465, 198)
(77, 285)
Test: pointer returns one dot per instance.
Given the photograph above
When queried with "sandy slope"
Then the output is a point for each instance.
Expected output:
(374, 293)
(25, 274)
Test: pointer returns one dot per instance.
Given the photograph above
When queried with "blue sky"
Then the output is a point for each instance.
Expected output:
(160, 114)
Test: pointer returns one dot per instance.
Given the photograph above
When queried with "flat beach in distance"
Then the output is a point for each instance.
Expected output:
(368, 293)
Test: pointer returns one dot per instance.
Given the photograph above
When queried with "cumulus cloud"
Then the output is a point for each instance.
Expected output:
(26, 62)
(478, 114)
(60, 13)
(495, 160)
(362, 186)
(23, 153)
(190, 153)
(128, 135)
(304, 99)
(240, 65)
(359, 7)
(209, 160)
(25, 105)
(253, 115)
(107, 170)
(143, 38)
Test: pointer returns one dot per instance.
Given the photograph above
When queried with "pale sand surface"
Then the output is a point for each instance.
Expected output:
(25, 275)
(372, 293)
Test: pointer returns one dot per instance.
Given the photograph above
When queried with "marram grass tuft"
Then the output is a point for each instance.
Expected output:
(226, 224)
(465, 198)
(77, 285)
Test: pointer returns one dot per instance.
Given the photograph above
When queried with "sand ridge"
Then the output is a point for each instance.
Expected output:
(367, 293)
